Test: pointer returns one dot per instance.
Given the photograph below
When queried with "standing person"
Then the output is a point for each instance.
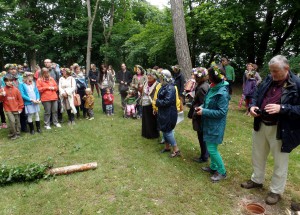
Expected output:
(179, 83)
(230, 74)
(55, 73)
(31, 98)
(276, 111)
(105, 81)
(108, 100)
(202, 86)
(124, 78)
(3, 119)
(48, 91)
(67, 87)
(80, 89)
(112, 72)
(89, 103)
(93, 76)
(13, 105)
(249, 89)
(213, 112)
(138, 81)
(149, 120)
(167, 112)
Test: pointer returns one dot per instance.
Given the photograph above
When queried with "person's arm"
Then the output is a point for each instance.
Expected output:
(169, 97)
(22, 89)
(220, 111)
(39, 85)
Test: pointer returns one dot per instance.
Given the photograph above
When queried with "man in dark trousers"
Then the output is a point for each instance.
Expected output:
(276, 111)
(179, 82)
(124, 78)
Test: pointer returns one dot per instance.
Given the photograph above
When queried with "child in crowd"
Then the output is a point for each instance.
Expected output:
(249, 89)
(108, 99)
(89, 103)
(13, 105)
(2, 115)
(31, 98)
(130, 102)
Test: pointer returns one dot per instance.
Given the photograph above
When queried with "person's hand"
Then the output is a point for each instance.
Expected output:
(252, 111)
(125, 83)
(65, 95)
(154, 112)
(20, 111)
(272, 108)
(122, 82)
(199, 110)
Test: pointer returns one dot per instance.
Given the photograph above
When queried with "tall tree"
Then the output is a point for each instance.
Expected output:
(181, 42)
(90, 33)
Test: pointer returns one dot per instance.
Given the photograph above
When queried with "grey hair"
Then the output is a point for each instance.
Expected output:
(279, 59)
(167, 76)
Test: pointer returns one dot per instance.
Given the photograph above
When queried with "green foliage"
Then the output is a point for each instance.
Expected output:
(25, 173)
(295, 64)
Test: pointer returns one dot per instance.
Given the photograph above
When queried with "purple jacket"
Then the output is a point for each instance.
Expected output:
(249, 87)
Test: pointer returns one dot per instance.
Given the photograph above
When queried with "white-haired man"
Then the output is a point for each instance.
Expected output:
(276, 111)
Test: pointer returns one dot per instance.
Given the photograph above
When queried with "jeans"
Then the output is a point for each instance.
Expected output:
(50, 107)
(216, 162)
(169, 138)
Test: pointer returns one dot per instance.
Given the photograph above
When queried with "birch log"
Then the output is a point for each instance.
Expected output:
(71, 169)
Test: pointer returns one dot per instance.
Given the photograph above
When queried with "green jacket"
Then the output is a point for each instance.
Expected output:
(230, 75)
(215, 108)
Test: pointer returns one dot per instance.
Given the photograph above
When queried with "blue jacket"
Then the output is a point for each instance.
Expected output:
(215, 108)
(24, 92)
(167, 111)
(288, 128)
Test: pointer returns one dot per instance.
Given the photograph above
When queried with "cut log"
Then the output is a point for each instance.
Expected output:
(71, 169)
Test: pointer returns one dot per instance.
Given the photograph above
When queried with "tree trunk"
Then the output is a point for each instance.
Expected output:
(262, 48)
(181, 42)
(32, 62)
(90, 34)
(107, 33)
(281, 40)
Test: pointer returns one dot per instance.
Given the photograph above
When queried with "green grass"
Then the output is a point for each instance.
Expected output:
(133, 177)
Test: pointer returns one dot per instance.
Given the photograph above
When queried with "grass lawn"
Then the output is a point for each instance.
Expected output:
(133, 177)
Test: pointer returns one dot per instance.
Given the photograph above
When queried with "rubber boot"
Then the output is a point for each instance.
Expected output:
(31, 129)
(38, 126)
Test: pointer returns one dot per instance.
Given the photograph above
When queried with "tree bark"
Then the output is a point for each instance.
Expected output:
(71, 169)
(181, 42)
(262, 48)
(281, 40)
(107, 33)
(90, 33)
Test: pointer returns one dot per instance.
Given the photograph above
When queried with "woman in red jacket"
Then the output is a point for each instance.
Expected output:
(47, 87)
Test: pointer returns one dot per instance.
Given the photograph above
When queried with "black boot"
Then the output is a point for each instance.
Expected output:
(38, 126)
(31, 127)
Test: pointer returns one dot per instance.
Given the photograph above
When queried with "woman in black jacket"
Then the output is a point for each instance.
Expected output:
(93, 76)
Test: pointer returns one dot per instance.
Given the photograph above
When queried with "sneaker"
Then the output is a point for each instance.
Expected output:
(73, 123)
(208, 169)
(87, 117)
(251, 184)
(91, 118)
(4, 125)
(69, 123)
(218, 177)
(272, 198)
(58, 125)
(47, 127)
(295, 206)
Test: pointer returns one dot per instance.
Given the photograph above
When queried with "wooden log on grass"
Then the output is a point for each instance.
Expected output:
(71, 169)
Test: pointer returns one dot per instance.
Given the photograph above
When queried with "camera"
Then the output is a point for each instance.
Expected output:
(258, 111)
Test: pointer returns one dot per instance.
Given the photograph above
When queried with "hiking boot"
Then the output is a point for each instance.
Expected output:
(14, 137)
(251, 184)
(208, 169)
(272, 198)
(295, 206)
(200, 160)
(218, 177)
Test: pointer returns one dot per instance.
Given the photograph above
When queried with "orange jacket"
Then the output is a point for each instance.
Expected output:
(12, 100)
(43, 86)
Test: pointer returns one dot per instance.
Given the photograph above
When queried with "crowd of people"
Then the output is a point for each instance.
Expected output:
(157, 96)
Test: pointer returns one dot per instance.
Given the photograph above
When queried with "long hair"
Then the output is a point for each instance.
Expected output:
(103, 73)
